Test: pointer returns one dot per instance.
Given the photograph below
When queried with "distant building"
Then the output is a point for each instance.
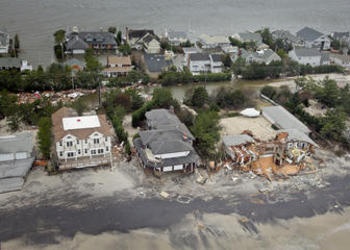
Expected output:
(314, 39)
(310, 56)
(16, 159)
(260, 56)
(287, 37)
(247, 37)
(4, 42)
(167, 145)
(213, 41)
(156, 63)
(203, 62)
(117, 66)
(77, 42)
(343, 37)
(12, 63)
(176, 37)
(81, 141)
(342, 60)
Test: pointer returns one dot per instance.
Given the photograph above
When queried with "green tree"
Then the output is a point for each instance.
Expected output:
(206, 131)
(92, 64)
(112, 29)
(119, 38)
(125, 49)
(235, 42)
(80, 106)
(333, 125)
(266, 37)
(59, 37)
(199, 97)
(44, 137)
(17, 45)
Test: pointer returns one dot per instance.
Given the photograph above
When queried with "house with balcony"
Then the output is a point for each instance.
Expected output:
(117, 66)
(167, 144)
(81, 141)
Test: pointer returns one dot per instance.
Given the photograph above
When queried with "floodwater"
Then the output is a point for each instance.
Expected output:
(36, 20)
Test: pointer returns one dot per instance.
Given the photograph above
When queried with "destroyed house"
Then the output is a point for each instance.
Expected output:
(236, 147)
(292, 146)
(81, 141)
(167, 145)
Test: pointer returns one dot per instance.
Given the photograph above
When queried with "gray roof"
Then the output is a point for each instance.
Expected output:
(15, 168)
(250, 36)
(76, 43)
(216, 57)
(139, 33)
(303, 52)
(308, 34)
(10, 62)
(169, 146)
(285, 35)
(22, 142)
(297, 135)
(165, 120)
(95, 37)
(265, 54)
(236, 140)
(156, 62)
(199, 57)
(280, 117)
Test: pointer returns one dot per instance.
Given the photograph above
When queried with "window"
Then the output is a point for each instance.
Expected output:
(69, 143)
(93, 151)
(100, 151)
(106, 139)
(79, 152)
(61, 153)
(70, 154)
(85, 141)
(77, 141)
(107, 149)
(96, 140)
(86, 151)
(60, 143)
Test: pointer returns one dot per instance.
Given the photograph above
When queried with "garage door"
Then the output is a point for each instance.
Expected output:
(167, 169)
(21, 155)
(178, 167)
(6, 157)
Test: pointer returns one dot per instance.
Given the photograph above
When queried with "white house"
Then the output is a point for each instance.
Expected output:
(4, 42)
(314, 39)
(81, 141)
(311, 56)
(199, 63)
(213, 41)
(176, 37)
(216, 64)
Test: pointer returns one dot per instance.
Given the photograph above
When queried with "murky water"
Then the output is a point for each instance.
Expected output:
(36, 20)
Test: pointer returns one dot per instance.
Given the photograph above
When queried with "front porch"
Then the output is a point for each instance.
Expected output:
(85, 162)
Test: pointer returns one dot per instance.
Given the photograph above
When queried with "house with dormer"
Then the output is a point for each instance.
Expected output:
(81, 141)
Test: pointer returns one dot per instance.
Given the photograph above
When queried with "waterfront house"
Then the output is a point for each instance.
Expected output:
(81, 141)
(143, 40)
(167, 144)
(311, 56)
(117, 66)
(16, 159)
(251, 37)
(209, 42)
(151, 44)
(101, 41)
(342, 37)
(340, 59)
(12, 63)
(175, 38)
(314, 39)
(4, 42)
(199, 63)
(216, 64)
(287, 38)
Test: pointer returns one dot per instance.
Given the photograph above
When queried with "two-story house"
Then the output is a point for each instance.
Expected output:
(78, 41)
(81, 141)
(314, 39)
(311, 56)
(117, 66)
(202, 62)
(167, 145)
(260, 56)
(143, 40)
(4, 42)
